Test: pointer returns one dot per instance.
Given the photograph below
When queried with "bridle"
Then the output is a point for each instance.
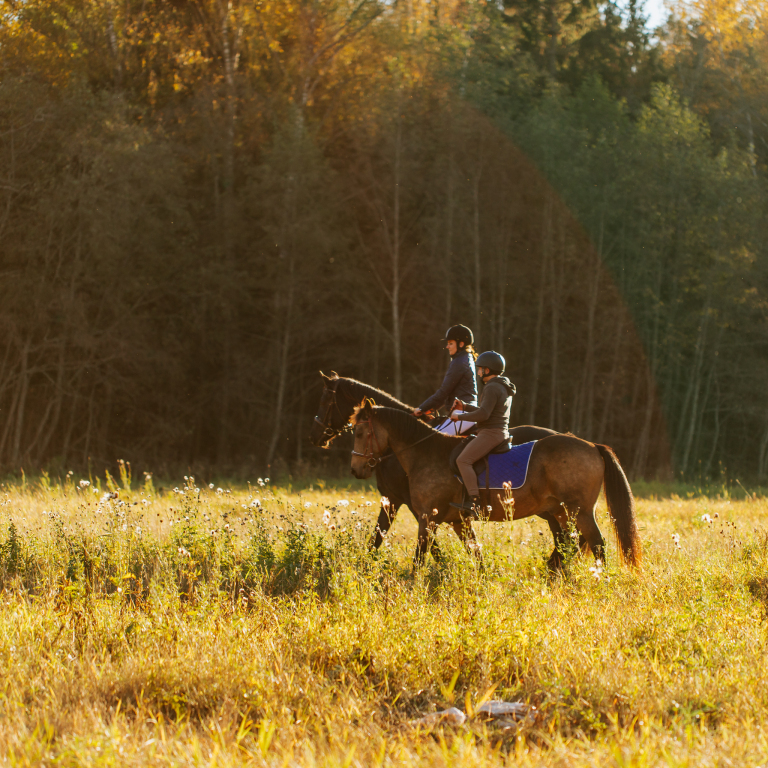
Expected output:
(329, 433)
(369, 441)
(373, 460)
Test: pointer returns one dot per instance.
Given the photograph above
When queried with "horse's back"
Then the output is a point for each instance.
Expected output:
(526, 433)
(565, 457)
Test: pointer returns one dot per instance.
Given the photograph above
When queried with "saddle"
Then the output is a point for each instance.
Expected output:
(494, 471)
(482, 464)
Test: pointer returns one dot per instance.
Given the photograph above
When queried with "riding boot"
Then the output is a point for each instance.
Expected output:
(469, 505)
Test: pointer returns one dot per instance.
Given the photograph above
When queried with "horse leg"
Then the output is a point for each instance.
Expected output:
(555, 562)
(426, 536)
(587, 526)
(392, 482)
(387, 514)
(467, 536)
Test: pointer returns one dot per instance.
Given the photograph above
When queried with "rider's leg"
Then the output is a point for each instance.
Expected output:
(484, 443)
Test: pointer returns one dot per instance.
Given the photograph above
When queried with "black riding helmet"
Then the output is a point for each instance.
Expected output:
(493, 361)
(459, 333)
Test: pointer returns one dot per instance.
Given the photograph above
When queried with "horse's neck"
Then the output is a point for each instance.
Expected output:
(357, 389)
(411, 452)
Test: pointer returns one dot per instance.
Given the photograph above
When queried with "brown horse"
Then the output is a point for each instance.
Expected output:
(564, 478)
(337, 406)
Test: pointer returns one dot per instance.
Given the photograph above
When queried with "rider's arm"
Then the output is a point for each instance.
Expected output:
(487, 404)
(452, 378)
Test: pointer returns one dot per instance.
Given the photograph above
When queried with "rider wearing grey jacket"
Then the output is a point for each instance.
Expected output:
(460, 382)
(492, 419)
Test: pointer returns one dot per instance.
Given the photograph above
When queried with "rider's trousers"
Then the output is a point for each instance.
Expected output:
(484, 443)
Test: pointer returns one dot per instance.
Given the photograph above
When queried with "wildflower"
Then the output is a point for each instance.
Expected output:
(706, 519)
(332, 527)
(183, 552)
(219, 491)
(138, 531)
(266, 480)
(384, 502)
(367, 503)
(597, 570)
(145, 502)
(84, 483)
(256, 503)
(326, 517)
(260, 482)
(95, 490)
(210, 485)
(342, 503)
(676, 540)
(307, 504)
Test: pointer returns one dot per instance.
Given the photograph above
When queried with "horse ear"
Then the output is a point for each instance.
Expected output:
(364, 409)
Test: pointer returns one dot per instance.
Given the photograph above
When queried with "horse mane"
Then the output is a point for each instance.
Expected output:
(357, 392)
(407, 426)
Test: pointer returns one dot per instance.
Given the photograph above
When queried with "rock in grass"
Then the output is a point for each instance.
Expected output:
(451, 716)
(493, 710)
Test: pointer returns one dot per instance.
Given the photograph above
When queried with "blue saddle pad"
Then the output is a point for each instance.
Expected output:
(509, 467)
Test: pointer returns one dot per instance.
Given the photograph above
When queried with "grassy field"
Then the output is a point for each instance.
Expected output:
(223, 626)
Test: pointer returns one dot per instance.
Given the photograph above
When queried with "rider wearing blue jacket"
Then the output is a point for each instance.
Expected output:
(460, 382)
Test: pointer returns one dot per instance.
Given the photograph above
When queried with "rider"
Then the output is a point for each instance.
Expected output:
(492, 418)
(460, 382)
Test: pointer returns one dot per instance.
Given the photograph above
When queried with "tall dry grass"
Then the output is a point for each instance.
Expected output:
(206, 626)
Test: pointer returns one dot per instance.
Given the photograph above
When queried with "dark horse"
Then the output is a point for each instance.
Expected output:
(337, 406)
(564, 478)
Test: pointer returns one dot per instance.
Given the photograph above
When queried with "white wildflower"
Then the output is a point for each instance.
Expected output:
(84, 483)
(307, 504)
(210, 485)
(342, 503)
(706, 519)
(326, 517)
(367, 503)
(219, 491)
(384, 502)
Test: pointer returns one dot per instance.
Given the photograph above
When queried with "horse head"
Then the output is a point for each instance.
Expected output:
(371, 440)
(332, 416)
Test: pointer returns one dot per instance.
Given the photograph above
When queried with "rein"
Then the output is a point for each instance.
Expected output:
(369, 454)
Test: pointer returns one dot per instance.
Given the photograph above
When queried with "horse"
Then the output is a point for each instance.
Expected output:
(337, 406)
(565, 475)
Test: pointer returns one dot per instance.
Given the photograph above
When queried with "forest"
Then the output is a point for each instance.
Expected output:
(205, 202)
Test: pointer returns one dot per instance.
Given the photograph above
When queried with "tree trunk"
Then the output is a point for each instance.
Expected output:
(395, 263)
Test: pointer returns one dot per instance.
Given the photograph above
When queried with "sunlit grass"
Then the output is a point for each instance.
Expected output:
(213, 625)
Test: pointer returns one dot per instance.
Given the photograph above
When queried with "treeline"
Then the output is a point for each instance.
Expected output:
(203, 203)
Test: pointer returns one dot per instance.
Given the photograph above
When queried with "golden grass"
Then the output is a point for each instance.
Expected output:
(196, 628)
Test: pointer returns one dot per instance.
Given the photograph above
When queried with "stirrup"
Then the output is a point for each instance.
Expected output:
(469, 505)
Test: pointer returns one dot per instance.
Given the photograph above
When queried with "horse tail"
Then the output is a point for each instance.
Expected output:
(621, 507)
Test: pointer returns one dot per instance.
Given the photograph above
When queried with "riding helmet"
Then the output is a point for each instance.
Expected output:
(493, 361)
(459, 333)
